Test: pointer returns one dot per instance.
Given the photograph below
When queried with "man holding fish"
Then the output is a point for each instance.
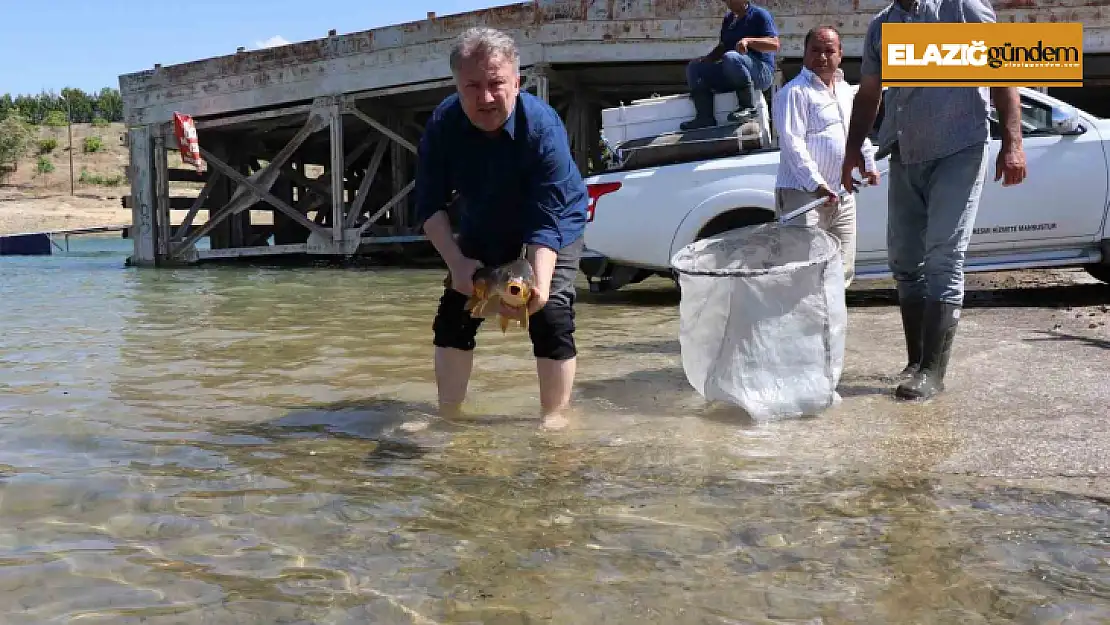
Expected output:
(520, 195)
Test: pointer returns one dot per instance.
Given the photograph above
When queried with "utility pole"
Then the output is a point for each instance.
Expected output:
(69, 123)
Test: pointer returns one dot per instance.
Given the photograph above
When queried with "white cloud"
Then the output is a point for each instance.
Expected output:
(272, 42)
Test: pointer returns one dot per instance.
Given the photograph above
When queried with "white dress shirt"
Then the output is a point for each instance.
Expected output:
(812, 121)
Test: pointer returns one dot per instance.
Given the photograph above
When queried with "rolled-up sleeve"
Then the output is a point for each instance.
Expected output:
(764, 24)
(432, 186)
(872, 61)
(553, 195)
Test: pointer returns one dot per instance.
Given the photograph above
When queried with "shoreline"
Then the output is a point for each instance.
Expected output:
(22, 212)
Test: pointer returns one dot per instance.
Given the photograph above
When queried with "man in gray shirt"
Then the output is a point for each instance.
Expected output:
(939, 139)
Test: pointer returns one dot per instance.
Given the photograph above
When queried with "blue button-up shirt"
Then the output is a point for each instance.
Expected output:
(929, 122)
(756, 22)
(520, 187)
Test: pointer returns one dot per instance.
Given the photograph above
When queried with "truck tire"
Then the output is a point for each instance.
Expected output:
(729, 220)
(737, 218)
(1099, 272)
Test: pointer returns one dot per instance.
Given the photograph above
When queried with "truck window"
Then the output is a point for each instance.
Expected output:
(1035, 118)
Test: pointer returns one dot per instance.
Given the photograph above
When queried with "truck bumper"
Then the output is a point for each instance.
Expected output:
(603, 275)
(592, 263)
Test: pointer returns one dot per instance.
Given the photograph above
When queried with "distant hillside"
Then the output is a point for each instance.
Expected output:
(99, 160)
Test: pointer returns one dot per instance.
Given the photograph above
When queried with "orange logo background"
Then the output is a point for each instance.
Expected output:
(982, 55)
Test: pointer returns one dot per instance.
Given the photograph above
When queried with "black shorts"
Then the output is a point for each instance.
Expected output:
(551, 328)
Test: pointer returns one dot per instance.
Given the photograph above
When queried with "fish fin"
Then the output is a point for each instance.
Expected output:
(504, 324)
(477, 300)
(478, 311)
(524, 317)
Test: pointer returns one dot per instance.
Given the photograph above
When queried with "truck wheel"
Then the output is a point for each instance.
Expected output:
(735, 219)
(1099, 272)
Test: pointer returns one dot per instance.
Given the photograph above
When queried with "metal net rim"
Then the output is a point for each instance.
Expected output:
(820, 259)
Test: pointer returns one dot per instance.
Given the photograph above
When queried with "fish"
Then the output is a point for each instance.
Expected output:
(512, 284)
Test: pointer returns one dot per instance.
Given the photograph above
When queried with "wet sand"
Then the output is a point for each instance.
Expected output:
(21, 211)
(255, 445)
(1027, 397)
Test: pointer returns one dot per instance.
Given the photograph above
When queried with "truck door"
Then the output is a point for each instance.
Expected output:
(1063, 197)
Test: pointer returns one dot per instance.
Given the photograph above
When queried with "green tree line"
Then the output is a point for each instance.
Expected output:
(85, 108)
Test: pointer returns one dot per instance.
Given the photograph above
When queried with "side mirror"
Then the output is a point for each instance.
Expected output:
(1065, 120)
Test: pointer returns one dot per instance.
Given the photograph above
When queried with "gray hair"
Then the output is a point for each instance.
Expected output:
(483, 42)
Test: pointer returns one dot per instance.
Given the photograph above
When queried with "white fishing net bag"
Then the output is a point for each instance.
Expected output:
(763, 318)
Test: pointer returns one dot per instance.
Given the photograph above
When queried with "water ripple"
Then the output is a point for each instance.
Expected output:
(220, 445)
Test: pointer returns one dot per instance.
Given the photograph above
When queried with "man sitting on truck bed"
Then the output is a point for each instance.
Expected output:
(744, 58)
(812, 113)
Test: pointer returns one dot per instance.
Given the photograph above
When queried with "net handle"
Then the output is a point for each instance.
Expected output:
(818, 202)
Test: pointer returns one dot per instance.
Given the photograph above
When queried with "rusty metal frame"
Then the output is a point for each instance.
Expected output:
(350, 106)
(257, 187)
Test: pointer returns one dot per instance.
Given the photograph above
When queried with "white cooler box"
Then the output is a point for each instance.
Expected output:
(655, 116)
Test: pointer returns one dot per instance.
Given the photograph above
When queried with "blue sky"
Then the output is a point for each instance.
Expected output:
(88, 43)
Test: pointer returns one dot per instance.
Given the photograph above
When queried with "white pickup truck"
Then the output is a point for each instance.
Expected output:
(639, 218)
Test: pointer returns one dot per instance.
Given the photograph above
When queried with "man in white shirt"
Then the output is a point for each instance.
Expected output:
(811, 114)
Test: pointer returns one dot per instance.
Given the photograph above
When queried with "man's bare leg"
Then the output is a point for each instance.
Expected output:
(453, 368)
(556, 379)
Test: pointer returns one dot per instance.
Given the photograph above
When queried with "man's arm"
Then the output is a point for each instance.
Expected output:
(719, 50)
(763, 44)
(716, 53)
(789, 115)
(1008, 104)
(433, 190)
(865, 106)
(1006, 99)
(766, 35)
(547, 203)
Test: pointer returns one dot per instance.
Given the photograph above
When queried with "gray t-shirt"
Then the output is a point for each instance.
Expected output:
(929, 122)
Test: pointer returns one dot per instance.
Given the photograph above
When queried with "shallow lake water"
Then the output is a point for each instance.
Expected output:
(257, 445)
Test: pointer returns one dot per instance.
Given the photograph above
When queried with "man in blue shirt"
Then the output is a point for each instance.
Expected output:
(744, 58)
(507, 156)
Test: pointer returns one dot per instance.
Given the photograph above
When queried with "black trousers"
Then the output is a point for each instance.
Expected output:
(551, 328)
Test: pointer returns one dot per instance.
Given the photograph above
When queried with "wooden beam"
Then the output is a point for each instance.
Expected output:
(380, 127)
(219, 122)
(263, 250)
(231, 206)
(142, 196)
(388, 205)
(337, 170)
(313, 184)
(161, 196)
(187, 175)
(198, 202)
(267, 176)
(420, 86)
(367, 180)
(366, 144)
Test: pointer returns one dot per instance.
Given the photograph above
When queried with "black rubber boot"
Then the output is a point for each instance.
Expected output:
(703, 105)
(939, 324)
(745, 108)
(913, 310)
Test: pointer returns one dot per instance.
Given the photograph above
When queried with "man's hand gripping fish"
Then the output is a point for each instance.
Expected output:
(511, 284)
